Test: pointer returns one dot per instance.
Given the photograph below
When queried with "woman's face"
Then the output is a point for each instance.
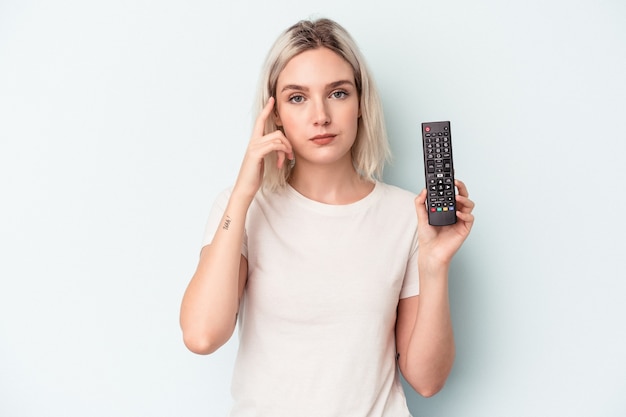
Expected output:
(317, 105)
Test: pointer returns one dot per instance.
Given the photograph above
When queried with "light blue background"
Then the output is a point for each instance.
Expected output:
(120, 121)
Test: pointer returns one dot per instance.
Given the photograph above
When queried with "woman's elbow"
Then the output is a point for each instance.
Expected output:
(205, 343)
(198, 345)
(426, 385)
(428, 391)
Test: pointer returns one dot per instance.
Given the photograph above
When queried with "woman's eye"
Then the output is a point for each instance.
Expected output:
(339, 94)
(296, 99)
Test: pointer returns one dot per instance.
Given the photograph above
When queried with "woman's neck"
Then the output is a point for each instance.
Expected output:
(330, 185)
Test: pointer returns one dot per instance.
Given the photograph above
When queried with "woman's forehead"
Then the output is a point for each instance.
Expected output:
(315, 67)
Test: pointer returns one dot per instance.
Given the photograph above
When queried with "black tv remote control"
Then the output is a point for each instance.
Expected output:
(439, 171)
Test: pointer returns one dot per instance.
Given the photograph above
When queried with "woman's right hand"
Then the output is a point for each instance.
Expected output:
(251, 172)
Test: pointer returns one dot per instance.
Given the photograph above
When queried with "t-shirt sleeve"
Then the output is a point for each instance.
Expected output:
(411, 284)
(215, 218)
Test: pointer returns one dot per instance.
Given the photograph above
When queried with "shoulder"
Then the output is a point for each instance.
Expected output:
(224, 193)
(395, 202)
(396, 193)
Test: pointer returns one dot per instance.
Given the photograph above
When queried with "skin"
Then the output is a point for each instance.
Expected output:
(317, 107)
(316, 96)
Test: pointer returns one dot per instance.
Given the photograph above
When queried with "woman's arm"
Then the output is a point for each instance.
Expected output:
(211, 302)
(424, 336)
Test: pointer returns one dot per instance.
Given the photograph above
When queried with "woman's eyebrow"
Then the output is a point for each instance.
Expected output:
(340, 83)
(334, 84)
(294, 87)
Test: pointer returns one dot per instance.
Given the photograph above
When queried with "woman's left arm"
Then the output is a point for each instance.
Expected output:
(424, 336)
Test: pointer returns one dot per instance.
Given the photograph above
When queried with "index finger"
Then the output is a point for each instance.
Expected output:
(259, 126)
(460, 185)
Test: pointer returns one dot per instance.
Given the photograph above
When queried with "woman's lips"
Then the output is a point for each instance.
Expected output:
(323, 139)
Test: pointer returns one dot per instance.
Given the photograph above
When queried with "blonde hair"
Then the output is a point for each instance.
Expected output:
(371, 149)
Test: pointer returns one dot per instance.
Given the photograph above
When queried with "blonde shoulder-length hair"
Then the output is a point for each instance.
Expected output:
(371, 149)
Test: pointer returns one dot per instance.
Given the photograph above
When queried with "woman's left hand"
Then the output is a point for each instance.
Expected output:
(440, 243)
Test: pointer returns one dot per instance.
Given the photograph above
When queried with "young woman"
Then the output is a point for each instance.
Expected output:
(316, 257)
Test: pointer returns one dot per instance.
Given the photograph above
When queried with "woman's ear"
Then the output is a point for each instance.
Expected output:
(277, 120)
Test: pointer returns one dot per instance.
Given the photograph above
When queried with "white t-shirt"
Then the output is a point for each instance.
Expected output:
(317, 320)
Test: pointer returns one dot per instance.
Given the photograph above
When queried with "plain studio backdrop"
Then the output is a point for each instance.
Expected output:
(121, 120)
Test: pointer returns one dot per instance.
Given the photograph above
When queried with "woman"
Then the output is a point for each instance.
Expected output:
(316, 256)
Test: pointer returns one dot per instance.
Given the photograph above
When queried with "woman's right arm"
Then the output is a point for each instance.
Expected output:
(211, 302)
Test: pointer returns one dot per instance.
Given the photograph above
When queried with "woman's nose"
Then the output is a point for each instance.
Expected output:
(322, 115)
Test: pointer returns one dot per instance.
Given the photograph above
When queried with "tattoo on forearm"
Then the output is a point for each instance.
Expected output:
(226, 223)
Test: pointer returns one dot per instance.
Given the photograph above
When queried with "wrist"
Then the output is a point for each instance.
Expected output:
(242, 196)
(433, 279)
(431, 265)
